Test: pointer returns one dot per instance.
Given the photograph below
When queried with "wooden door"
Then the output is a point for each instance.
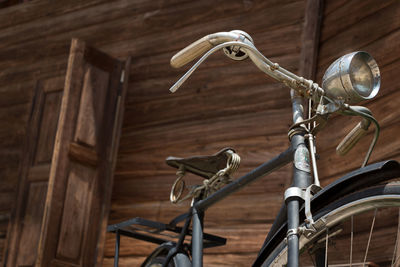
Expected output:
(25, 223)
(65, 189)
(80, 184)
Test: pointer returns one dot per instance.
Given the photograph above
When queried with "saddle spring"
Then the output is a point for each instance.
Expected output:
(209, 186)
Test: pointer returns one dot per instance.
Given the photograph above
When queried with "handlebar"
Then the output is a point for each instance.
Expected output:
(245, 43)
(240, 40)
(199, 47)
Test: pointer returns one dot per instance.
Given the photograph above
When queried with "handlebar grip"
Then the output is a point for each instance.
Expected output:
(191, 52)
(352, 138)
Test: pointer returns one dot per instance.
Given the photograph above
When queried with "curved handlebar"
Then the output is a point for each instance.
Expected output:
(245, 43)
(196, 49)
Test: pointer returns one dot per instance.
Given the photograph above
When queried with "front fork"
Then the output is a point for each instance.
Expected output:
(301, 180)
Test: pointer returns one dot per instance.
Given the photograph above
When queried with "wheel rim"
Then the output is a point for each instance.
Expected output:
(363, 208)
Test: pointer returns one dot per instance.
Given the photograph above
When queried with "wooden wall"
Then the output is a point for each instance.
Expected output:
(224, 103)
(372, 26)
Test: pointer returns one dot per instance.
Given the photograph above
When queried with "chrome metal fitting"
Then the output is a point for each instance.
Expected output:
(296, 231)
(294, 192)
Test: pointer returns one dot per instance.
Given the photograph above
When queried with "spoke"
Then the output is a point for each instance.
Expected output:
(326, 248)
(396, 252)
(351, 242)
(369, 238)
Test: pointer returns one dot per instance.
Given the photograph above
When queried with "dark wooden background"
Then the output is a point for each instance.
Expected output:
(224, 103)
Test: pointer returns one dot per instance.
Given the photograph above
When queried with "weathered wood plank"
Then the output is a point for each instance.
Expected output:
(310, 38)
(361, 34)
(338, 19)
(253, 152)
(228, 127)
(6, 200)
(220, 80)
(384, 50)
(125, 40)
(206, 105)
(24, 13)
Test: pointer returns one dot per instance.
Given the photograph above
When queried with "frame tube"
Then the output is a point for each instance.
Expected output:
(116, 257)
(293, 239)
(262, 170)
(197, 238)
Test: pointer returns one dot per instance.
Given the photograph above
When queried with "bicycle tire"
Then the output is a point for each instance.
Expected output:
(157, 260)
(340, 212)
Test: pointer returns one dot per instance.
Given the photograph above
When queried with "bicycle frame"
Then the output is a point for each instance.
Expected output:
(296, 153)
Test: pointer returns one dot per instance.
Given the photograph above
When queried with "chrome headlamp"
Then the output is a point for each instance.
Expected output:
(352, 78)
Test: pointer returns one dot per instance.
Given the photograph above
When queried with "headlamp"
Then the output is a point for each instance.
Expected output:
(352, 78)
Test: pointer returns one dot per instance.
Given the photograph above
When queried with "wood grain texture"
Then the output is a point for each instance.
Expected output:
(33, 174)
(224, 103)
(377, 31)
(81, 173)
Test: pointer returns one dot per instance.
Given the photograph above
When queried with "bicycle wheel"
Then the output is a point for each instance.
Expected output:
(179, 260)
(360, 229)
(158, 262)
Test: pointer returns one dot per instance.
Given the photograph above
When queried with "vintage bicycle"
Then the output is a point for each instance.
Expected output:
(315, 226)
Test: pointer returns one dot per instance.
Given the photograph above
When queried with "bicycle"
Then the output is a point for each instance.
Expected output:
(312, 218)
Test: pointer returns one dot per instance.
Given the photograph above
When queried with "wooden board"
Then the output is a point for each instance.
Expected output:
(81, 173)
(26, 221)
(224, 103)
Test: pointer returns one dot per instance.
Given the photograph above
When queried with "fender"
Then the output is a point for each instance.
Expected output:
(358, 179)
(181, 259)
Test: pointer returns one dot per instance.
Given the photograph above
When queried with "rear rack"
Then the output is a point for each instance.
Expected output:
(156, 232)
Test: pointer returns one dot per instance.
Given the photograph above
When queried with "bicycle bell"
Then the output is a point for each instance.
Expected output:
(352, 78)
(234, 52)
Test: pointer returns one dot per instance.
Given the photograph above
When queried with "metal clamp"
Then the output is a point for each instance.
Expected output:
(294, 192)
(296, 231)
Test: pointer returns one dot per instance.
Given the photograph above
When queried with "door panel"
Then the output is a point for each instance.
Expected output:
(67, 167)
(79, 191)
(26, 221)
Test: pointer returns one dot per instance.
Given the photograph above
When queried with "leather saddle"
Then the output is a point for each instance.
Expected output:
(204, 166)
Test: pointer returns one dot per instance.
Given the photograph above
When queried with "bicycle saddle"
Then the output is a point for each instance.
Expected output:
(204, 166)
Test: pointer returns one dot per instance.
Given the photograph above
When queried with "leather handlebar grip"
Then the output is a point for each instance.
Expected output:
(191, 52)
(351, 139)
